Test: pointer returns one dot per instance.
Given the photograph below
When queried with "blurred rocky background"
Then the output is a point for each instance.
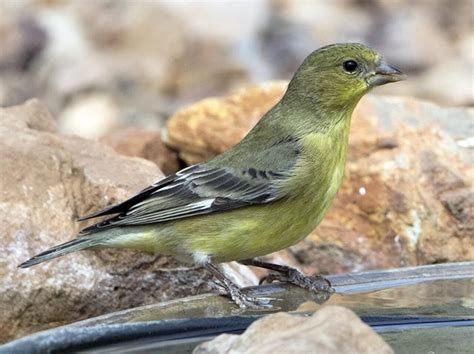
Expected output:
(100, 65)
(122, 96)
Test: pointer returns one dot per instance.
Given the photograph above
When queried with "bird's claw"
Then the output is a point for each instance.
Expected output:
(249, 302)
(219, 287)
(317, 284)
(242, 300)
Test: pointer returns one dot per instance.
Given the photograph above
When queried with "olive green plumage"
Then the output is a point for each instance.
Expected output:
(267, 192)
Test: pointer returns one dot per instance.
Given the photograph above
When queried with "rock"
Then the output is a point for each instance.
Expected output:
(407, 195)
(155, 57)
(333, 329)
(114, 56)
(218, 72)
(284, 43)
(460, 204)
(241, 275)
(460, 93)
(119, 29)
(22, 39)
(16, 88)
(47, 181)
(219, 345)
(209, 127)
(401, 174)
(31, 115)
(444, 28)
(185, 62)
(143, 143)
(90, 116)
(403, 181)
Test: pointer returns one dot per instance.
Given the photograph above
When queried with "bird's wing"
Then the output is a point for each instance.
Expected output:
(232, 180)
(196, 190)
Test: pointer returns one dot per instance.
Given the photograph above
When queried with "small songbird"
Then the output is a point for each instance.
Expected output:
(266, 193)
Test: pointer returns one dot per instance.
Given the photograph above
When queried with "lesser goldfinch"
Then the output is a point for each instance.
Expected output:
(266, 193)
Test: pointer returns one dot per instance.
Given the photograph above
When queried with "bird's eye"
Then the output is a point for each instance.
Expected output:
(350, 66)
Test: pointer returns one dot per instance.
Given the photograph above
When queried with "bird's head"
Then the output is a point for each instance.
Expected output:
(338, 75)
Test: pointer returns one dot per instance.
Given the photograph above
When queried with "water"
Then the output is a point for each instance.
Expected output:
(428, 309)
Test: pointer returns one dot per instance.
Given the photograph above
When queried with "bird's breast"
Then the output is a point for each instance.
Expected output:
(322, 170)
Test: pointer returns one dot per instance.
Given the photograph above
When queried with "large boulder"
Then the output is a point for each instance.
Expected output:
(46, 182)
(209, 127)
(407, 196)
(333, 329)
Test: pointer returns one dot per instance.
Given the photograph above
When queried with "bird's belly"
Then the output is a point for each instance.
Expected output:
(247, 232)
(252, 232)
(233, 235)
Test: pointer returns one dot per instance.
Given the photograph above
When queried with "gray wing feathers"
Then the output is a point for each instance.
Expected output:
(194, 191)
(208, 188)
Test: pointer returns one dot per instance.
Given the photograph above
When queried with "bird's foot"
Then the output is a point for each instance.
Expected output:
(317, 284)
(314, 283)
(242, 300)
(231, 290)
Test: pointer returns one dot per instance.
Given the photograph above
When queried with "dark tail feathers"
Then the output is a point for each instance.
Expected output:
(59, 250)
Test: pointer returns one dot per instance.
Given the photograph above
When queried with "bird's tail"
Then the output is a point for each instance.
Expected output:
(60, 250)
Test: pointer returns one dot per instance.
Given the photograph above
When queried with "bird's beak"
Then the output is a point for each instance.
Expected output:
(384, 74)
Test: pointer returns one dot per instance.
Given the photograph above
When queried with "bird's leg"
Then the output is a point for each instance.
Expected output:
(241, 299)
(291, 275)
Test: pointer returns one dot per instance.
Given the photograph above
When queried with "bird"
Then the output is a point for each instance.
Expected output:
(266, 193)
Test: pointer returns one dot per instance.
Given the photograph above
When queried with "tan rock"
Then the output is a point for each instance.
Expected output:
(407, 196)
(135, 142)
(47, 181)
(333, 329)
(392, 207)
(211, 126)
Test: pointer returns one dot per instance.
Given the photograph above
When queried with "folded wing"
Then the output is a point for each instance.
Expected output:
(196, 190)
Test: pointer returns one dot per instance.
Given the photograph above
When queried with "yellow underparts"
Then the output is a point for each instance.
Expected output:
(256, 230)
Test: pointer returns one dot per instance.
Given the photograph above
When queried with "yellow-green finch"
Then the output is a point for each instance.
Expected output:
(266, 193)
